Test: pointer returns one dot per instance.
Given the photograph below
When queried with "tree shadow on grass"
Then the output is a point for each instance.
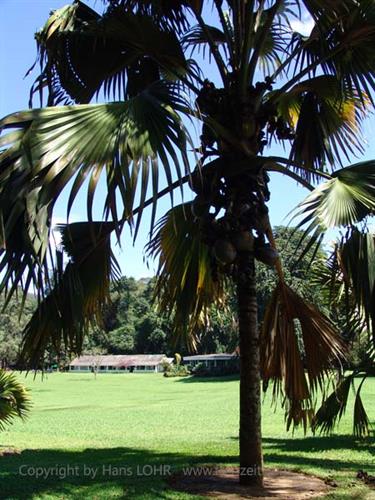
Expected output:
(196, 379)
(132, 473)
(94, 473)
(293, 452)
(315, 444)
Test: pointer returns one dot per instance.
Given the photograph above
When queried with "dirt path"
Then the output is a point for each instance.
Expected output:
(278, 484)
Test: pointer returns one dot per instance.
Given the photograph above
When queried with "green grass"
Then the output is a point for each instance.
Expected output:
(131, 420)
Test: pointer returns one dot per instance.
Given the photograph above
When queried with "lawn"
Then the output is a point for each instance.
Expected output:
(108, 434)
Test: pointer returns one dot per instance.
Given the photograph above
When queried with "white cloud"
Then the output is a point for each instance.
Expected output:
(303, 26)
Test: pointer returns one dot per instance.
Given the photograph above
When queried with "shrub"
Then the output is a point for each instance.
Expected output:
(176, 371)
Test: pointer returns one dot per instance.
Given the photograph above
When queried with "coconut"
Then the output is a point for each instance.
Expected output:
(200, 207)
(243, 241)
(224, 251)
(266, 254)
(196, 181)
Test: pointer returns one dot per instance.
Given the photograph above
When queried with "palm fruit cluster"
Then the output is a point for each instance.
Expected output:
(232, 212)
(232, 190)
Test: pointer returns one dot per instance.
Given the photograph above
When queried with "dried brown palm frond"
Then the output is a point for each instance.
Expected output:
(299, 347)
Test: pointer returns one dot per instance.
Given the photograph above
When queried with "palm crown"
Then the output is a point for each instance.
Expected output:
(275, 85)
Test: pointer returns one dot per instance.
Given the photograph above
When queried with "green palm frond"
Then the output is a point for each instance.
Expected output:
(271, 35)
(361, 422)
(168, 13)
(345, 199)
(196, 38)
(14, 399)
(124, 139)
(335, 285)
(327, 120)
(333, 407)
(340, 43)
(188, 280)
(286, 354)
(47, 148)
(357, 266)
(121, 52)
(77, 293)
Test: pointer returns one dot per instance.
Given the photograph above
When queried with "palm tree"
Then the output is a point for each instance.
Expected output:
(309, 94)
(14, 399)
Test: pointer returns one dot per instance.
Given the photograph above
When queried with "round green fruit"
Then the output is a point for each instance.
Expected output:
(200, 207)
(224, 251)
(243, 241)
(266, 254)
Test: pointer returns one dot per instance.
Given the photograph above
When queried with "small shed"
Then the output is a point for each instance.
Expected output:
(210, 360)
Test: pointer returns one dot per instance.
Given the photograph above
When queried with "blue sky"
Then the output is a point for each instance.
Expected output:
(19, 19)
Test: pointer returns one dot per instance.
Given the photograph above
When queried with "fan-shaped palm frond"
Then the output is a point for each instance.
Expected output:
(50, 146)
(345, 199)
(196, 38)
(267, 37)
(339, 44)
(357, 264)
(168, 13)
(286, 356)
(327, 121)
(14, 399)
(188, 279)
(361, 422)
(334, 283)
(77, 293)
(121, 52)
(333, 407)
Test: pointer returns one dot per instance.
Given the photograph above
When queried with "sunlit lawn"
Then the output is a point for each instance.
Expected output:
(133, 420)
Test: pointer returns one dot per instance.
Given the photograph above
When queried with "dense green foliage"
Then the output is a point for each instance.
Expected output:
(131, 323)
(131, 420)
(11, 326)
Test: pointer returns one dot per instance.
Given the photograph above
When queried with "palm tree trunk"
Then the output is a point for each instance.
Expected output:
(251, 459)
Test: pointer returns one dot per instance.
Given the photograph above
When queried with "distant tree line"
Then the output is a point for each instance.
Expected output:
(132, 324)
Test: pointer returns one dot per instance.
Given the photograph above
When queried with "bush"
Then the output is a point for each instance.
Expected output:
(362, 354)
(176, 371)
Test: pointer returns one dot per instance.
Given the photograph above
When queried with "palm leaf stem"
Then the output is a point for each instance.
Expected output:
(250, 68)
(247, 44)
(292, 163)
(302, 73)
(285, 63)
(221, 66)
(271, 239)
(222, 131)
(226, 32)
(237, 25)
(274, 167)
(185, 81)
